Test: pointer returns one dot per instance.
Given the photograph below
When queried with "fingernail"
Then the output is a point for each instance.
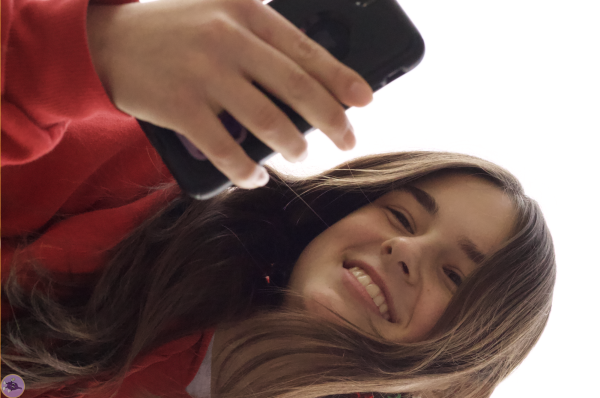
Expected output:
(361, 92)
(349, 139)
(260, 177)
(302, 156)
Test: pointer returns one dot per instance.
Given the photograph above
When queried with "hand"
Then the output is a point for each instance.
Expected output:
(179, 63)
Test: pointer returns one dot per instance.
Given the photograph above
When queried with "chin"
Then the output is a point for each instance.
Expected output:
(332, 309)
(322, 304)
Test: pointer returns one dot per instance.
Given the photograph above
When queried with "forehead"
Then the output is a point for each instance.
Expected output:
(464, 204)
(458, 186)
(469, 188)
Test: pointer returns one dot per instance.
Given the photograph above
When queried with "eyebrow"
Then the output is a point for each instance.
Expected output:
(430, 205)
(471, 250)
(425, 199)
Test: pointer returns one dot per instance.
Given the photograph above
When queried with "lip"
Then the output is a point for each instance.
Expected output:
(374, 275)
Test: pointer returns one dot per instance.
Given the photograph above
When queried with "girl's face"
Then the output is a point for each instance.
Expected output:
(392, 266)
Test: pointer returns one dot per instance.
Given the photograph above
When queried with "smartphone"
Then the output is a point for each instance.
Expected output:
(373, 37)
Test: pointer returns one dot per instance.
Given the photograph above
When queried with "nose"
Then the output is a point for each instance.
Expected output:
(407, 255)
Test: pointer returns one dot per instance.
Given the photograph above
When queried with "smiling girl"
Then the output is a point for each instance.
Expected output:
(405, 255)
(422, 274)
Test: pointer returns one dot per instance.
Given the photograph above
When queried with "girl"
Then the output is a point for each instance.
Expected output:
(456, 260)
(420, 274)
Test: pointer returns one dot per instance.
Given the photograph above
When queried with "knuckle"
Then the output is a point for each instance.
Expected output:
(266, 33)
(238, 3)
(338, 121)
(184, 94)
(306, 48)
(223, 153)
(248, 6)
(267, 121)
(298, 83)
(218, 29)
(253, 11)
(342, 76)
(347, 76)
(215, 74)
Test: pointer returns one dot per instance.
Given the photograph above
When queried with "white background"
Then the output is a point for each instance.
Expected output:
(516, 83)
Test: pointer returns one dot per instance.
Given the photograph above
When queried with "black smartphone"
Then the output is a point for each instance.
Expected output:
(373, 37)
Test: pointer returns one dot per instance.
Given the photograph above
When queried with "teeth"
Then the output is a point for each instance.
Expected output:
(379, 300)
(373, 290)
(383, 308)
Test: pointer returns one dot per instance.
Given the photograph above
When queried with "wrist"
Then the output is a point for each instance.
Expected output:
(100, 25)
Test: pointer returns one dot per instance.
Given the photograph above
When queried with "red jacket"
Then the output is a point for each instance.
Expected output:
(74, 168)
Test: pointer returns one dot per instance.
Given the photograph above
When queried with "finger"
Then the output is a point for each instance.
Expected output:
(210, 136)
(345, 83)
(258, 114)
(287, 81)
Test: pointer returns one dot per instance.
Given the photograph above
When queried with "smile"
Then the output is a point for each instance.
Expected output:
(374, 291)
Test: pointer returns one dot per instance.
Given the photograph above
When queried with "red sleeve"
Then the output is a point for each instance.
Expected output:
(48, 78)
(76, 171)
(49, 88)
(165, 372)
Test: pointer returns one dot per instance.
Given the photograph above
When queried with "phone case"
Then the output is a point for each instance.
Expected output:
(373, 37)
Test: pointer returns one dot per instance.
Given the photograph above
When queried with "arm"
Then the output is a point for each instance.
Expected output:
(48, 78)
(177, 64)
(174, 63)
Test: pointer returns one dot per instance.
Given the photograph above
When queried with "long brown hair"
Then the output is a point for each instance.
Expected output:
(195, 265)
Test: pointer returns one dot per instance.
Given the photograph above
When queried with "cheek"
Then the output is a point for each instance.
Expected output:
(318, 302)
(321, 299)
(427, 312)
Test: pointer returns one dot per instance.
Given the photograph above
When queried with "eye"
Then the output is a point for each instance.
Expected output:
(402, 219)
(453, 276)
